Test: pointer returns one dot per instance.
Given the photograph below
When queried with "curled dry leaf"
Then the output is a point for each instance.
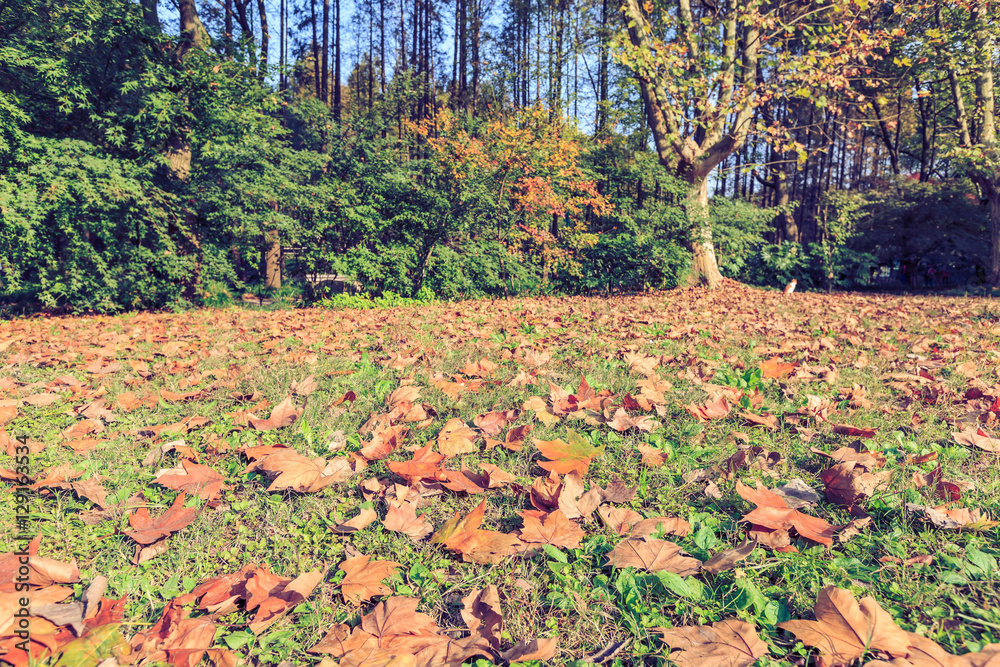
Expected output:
(482, 615)
(534, 649)
(282, 415)
(726, 560)
(958, 518)
(979, 440)
(731, 642)
(147, 530)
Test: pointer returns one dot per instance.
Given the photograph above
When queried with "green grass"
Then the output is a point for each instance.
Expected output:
(704, 339)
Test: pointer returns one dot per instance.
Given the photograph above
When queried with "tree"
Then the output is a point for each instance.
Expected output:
(704, 70)
(978, 153)
(697, 108)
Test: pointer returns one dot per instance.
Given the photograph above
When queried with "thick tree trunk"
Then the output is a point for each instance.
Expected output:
(704, 265)
(991, 188)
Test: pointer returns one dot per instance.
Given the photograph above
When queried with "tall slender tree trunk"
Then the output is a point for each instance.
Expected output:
(338, 101)
(265, 39)
(325, 47)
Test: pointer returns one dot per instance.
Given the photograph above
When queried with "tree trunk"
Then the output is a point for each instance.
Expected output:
(265, 39)
(271, 259)
(705, 266)
(994, 202)
(150, 14)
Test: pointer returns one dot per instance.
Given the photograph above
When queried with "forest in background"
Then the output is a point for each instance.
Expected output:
(492, 147)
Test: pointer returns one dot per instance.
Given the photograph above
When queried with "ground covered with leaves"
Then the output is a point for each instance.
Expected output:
(731, 477)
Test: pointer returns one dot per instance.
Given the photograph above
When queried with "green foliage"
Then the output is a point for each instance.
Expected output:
(82, 231)
(941, 224)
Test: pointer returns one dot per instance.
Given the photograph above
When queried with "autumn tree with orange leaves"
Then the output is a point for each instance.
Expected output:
(517, 179)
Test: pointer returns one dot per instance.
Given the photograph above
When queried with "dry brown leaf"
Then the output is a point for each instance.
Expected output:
(364, 577)
(653, 556)
(729, 643)
(482, 615)
(844, 630)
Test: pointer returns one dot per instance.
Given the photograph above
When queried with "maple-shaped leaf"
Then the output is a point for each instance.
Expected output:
(459, 524)
(456, 438)
(384, 443)
(463, 535)
(272, 596)
(305, 386)
(492, 423)
(844, 630)
(641, 363)
(552, 528)
(481, 613)
(629, 522)
(425, 464)
(623, 422)
(652, 456)
(653, 556)
(407, 393)
(397, 616)
(774, 513)
(769, 422)
(564, 457)
(464, 480)
(290, 471)
(179, 640)
(364, 577)
(200, 480)
(284, 414)
(979, 440)
(481, 368)
(849, 483)
(514, 440)
(775, 369)
(715, 408)
(404, 519)
(731, 642)
(147, 530)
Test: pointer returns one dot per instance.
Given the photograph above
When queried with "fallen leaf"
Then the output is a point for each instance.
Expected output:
(552, 528)
(653, 556)
(481, 613)
(844, 630)
(575, 455)
(774, 513)
(731, 642)
(147, 530)
(364, 577)
(726, 560)
(284, 414)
